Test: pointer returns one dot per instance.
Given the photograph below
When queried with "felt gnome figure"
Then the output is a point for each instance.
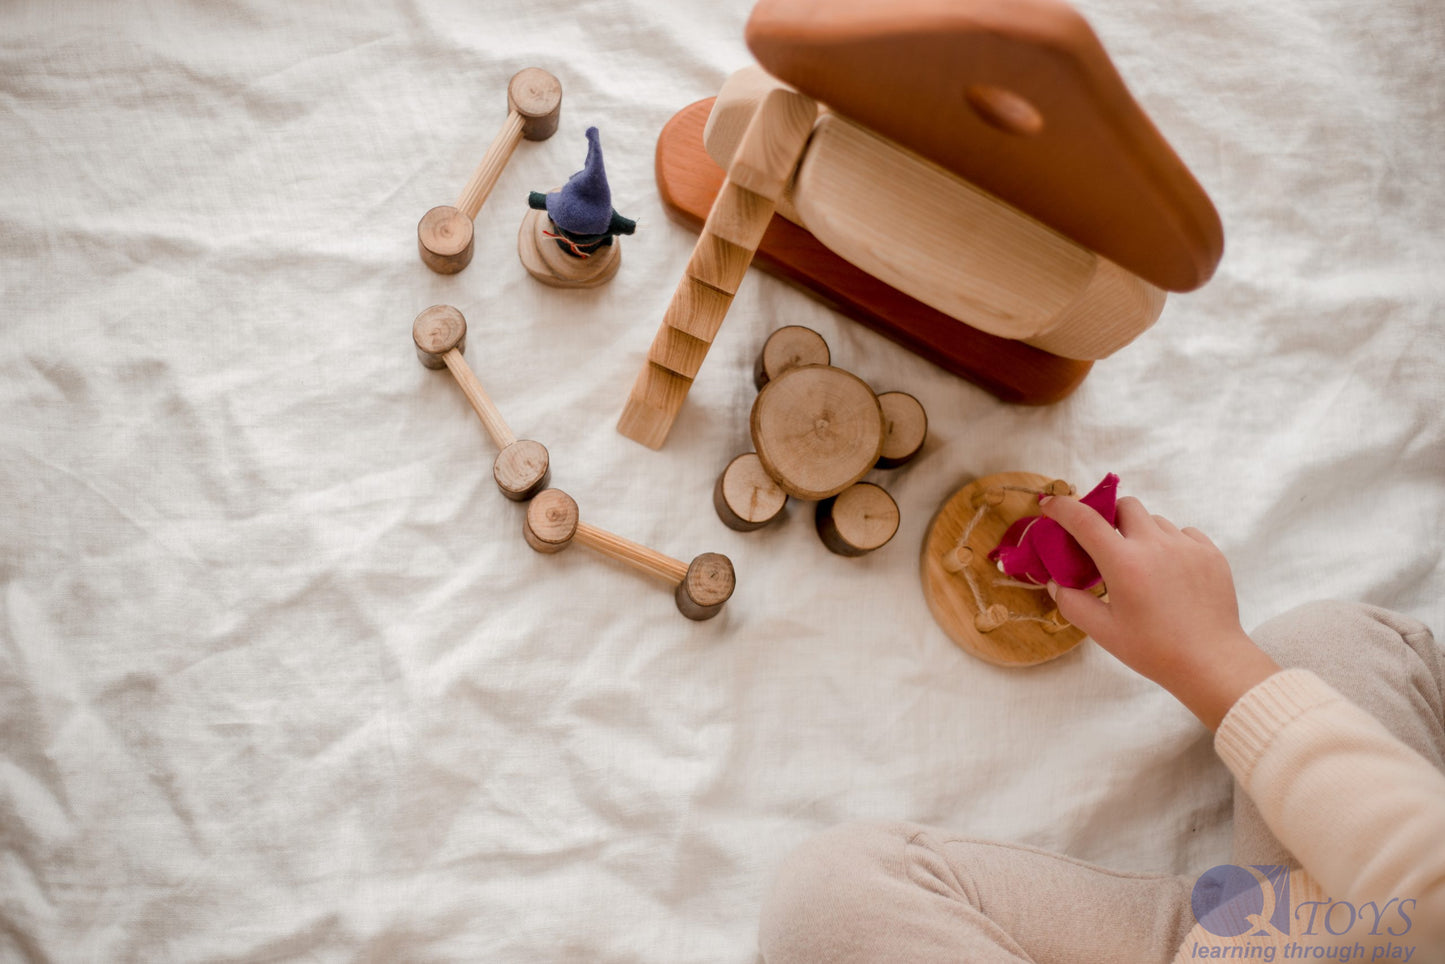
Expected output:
(567, 236)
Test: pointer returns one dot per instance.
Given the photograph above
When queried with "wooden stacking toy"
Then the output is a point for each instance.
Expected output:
(969, 177)
(700, 588)
(445, 233)
(984, 612)
(816, 431)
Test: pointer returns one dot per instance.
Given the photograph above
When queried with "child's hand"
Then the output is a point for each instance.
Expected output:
(1172, 614)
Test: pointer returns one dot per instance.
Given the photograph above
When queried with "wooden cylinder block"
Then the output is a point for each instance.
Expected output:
(537, 96)
(746, 497)
(436, 331)
(551, 521)
(817, 430)
(787, 348)
(444, 239)
(905, 428)
(522, 469)
(709, 583)
(857, 520)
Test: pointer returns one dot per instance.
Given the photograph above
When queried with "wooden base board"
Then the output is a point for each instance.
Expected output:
(548, 264)
(689, 180)
(951, 600)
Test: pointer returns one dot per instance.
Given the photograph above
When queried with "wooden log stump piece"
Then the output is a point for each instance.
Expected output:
(905, 428)
(786, 348)
(709, 583)
(550, 265)
(817, 430)
(436, 331)
(746, 497)
(858, 520)
(522, 469)
(1015, 626)
(444, 239)
(551, 521)
(537, 96)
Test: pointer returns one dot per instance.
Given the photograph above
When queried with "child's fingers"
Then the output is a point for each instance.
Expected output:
(1084, 610)
(1198, 536)
(1133, 519)
(1097, 537)
(1168, 527)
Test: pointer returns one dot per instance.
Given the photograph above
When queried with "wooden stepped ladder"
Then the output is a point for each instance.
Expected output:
(756, 179)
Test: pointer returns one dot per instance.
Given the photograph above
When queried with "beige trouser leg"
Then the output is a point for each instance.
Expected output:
(1385, 663)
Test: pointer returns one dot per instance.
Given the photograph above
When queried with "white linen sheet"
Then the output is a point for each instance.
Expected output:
(279, 678)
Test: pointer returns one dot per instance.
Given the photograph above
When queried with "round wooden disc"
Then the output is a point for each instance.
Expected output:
(789, 347)
(437, 330)
(551, 521)
(1013, 643)
(905, 426)
(522, 469)
(861, 518)
(746, 497)
(537, 96)
(817, 430)
(709, 583)
(444, 239)
(548, 264)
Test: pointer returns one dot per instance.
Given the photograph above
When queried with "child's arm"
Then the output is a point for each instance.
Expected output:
(1172, 615)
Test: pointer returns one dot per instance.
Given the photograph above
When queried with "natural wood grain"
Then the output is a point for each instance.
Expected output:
(767, 154)
(550, 265)
(535, 96)
(709, 583)
(905, 428)
(522, 469)
(718, 263)
(789, 347)
(677, 351)
(858, 520)
(479, 186)
(633, 554)
(653, 403)
(551, 521)
(816, 430)
(480, 401)
(959, 82)
(697, 309)
(1114, 308)
(745, 496)
(738, 216)
(437, 330)
(688, 182)
(444, 239)
(1006, 643)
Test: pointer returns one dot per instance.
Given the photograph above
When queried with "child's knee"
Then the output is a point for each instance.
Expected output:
(1326, 636)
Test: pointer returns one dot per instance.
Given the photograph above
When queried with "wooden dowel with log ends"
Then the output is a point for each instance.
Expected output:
(700, 587)
(858, 520)
(745, 496)
(445, 233)
(905, 429)
(789, 347)
(522, 466)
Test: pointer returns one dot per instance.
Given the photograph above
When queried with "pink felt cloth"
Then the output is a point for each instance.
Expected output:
(1037, 549)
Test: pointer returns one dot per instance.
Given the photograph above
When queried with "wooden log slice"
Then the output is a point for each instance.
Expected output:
(551, 521)
(550, 265)
(746, 497)
(537, 96)
(444, 239)
(436, 331)
(857, 520)
(817, 430)
(709, 583)
(786, 348)
(990, 634)
(905, 427)
(522, 469)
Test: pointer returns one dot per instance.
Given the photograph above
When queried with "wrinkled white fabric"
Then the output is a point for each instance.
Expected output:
(280, 679)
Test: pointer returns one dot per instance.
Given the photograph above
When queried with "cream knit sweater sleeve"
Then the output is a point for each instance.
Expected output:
(1363, 813)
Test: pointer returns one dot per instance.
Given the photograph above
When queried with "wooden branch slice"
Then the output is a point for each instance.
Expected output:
(905, 428)
(746, 497)
(522, 469)
(993, 635)
(787, 348)
(537, 96)
(551, 521)
(550, 265)
(436, 331)
(817, 430)
(444, 239)
(857, 520)
(709, 583)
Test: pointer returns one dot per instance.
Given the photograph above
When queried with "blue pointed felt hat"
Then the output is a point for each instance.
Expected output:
(584, 204)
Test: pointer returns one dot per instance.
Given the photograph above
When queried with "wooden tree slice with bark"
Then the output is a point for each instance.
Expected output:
(787, 348)
(709, 583)
(1014, 627)
(857, 520)
(817, 430)
(746, 497)
(905, 427)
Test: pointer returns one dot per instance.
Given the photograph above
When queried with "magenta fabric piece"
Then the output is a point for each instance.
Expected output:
(1037, 549)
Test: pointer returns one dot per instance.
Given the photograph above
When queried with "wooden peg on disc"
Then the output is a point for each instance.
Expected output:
(699, 588)
(861, 518)
(817, 430)
(445, 233)
(746, 497)
(786, 348)
(522, 466)
(905, 428)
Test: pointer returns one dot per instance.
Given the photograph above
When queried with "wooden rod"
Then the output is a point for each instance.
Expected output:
(491, 418)
(637, 556)
(484, 178)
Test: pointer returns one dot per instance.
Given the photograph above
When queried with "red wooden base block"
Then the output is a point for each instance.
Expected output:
(689, 180)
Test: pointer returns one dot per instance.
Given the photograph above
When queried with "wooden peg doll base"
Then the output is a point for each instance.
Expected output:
(548, 264)
(1016, 627)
